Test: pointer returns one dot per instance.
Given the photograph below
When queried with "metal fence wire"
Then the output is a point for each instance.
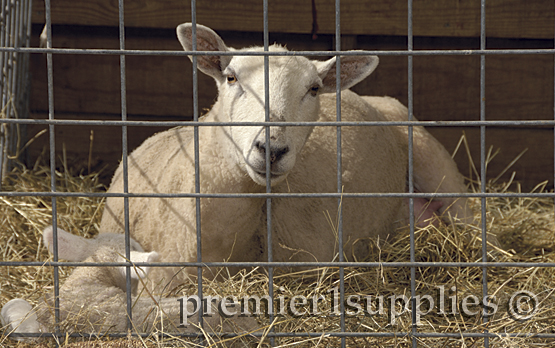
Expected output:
(14, 47)
(15, 30)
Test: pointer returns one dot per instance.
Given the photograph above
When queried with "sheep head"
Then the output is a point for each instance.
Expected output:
(295, 84)
(81, 287)
(106, 247)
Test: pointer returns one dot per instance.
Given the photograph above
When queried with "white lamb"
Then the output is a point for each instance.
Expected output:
(93, 299)
(232, 159)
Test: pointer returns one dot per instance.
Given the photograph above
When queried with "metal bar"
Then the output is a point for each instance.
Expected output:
(197, 160)
(454, 335)
(483, 161)
(123, 92)
(339, 168)
(279, 195)
(4, 96)
(266, 39)
(331, 264)
(530, 123)
(8, 74)
(411, 173)
(52, 144)
(405, 53)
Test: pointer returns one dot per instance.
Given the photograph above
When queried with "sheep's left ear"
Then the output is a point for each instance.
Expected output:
(70, 246)
(353, 70)
(207, 40)
(139, 256)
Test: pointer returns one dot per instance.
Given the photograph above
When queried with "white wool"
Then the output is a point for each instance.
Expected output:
(233, 160)
(94, 299)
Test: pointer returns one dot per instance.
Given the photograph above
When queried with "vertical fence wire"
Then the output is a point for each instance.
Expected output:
(197, 161)
(10, 72)
(6, 62)
(267, 118)
(123, 93)
(411, 172)
(15, 30)
(483, 163)
(339, 169)
(196, 145)
(7, 67)
(52, 144)
(4, 127)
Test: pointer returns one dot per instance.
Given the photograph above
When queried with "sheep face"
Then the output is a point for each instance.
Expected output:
(294, 86)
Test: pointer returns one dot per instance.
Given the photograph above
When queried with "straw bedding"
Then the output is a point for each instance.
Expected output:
(524, 227)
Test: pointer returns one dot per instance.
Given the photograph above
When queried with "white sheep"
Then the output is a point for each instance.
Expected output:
(303, 160)
(93, 299)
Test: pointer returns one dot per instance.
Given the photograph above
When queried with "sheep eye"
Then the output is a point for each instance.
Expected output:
(314, 90)
(231, 79)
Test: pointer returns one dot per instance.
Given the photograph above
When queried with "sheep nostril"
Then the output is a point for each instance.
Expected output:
(260, 146)
(276, 152)
(279, 153)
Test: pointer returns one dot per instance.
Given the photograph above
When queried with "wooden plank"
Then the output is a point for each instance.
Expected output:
(76, 141)
(504, 18)
(534, 167)
(156, 85)
(445, 87)
(448, 88)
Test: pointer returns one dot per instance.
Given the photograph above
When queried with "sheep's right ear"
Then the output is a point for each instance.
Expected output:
(353, 70)
(70, 246)
(207, 40)
(18, 316)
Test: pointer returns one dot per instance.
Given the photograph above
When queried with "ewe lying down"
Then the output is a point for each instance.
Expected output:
(303, 159)
(232, 159)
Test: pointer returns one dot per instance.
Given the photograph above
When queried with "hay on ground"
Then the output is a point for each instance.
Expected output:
(524, 227)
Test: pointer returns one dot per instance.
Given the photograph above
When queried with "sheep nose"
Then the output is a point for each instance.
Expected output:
(276, 151)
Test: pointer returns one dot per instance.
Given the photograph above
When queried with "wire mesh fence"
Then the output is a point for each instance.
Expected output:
(14, 48)
(15, 33)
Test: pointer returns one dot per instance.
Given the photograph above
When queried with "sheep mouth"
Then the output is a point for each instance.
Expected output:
(272, 176)
(258, 175)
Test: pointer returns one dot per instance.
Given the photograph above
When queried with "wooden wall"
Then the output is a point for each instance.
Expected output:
(518, 87)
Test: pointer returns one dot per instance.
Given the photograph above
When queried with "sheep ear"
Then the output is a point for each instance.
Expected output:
(353, 70)
(70, 247)
(19, 317)
(207, 40)
(139, 256)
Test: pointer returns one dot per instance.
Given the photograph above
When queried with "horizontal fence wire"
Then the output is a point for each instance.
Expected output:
(399, 334)
(524, 123)
(281, 195)
(128, 52)
(331, 264)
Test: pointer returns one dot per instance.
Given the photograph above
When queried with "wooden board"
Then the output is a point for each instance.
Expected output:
(534, 167)
(504, 18)
(74, 143)
(445, 87)
(156, 85)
